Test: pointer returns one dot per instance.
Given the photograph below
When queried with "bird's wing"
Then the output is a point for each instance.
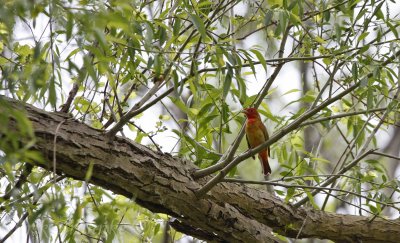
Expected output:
(248, 144)
(265, 132)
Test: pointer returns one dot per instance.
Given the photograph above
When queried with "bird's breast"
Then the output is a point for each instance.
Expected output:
(254, 134)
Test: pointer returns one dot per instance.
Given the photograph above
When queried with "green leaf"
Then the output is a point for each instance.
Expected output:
(249, 61)
(69, 27)
(362, 36)
(267, 112)
(24, 124)
(283, 20)
(370, 97)
(393, 29)
(354, 71)
(228, 81)
(260, 57)
(52, 93)
(89, 171)
(177, 26)
(364, 49)
(294, 19)
(149, 36)
(268, 17)
(289, 194)
(320, 40)
(327, 61)
(293, 4)
(179, 103)
(291, 91)
(198, 22)
(157, 65)
(72, 53)
(139, 135)
(206, 121)
(311, 198)
(378, 12)
(242, 88)
(361, 14)
(162, 35)
(249, 101)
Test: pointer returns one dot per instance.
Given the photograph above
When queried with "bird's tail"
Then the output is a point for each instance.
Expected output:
(263, 156)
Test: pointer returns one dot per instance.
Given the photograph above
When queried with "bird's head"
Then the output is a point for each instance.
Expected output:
(251, 113)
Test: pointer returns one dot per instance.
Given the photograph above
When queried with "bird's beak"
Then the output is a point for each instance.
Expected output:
(244, 111)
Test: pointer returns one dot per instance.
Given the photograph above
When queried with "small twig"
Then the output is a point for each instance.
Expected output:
(363, 151)
(322, 119)
(17, 225)
(26, 214)
(133, 111)
(255, 31)
(82, 233)
(40, 190)
(386, 155)
(383, 207)
(112, 113)
(301, 228)
(345, 155)
(148, 135)
(72, 93)
(94, 200)
(133, 87)
(94, 90)
(304, 177)
(159, 82)
(333, 179)
(26, 170)
(55, 149)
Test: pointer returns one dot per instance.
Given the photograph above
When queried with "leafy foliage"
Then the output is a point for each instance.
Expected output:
(210, 58)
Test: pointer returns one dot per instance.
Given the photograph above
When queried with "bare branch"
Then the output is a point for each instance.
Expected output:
(133, 111)
(278, 135)
(392, 204)
(72, 93)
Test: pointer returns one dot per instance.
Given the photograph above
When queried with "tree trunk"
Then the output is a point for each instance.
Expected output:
(163, 184)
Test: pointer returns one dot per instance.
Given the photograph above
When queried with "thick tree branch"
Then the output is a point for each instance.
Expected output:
(162, 183)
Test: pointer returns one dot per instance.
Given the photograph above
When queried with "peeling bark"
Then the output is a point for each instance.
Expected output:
(161, 183)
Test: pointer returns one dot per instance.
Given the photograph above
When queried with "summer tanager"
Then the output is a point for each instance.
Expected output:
(256, 134)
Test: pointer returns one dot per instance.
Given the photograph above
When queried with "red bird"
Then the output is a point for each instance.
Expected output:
(256, 134)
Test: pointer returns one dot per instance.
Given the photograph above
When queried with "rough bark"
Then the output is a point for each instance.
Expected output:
(162, 183)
